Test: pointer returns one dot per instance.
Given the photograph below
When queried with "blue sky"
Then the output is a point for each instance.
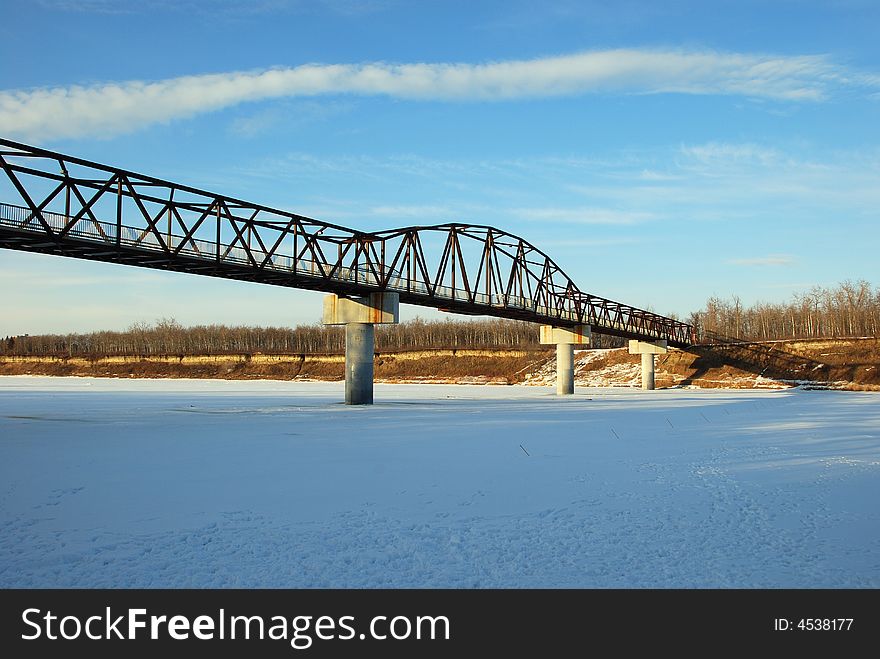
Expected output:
(661, 153)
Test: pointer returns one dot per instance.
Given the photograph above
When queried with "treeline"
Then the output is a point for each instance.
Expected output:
(850, 309)
(168, 337)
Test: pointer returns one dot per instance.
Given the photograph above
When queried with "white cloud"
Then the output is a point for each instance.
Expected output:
(113, 108)
(256, 124)
(217, 8)
(755, 185)
(415, 212)
(575, 215)
(285, 117)
(651, 175)
(553, 214)
(580, 243)
(770, 260)
(55, 280)
(730, 153)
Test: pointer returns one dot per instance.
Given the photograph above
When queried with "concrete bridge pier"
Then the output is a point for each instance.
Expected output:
(565, 339)
(359, 315)
(647, 351)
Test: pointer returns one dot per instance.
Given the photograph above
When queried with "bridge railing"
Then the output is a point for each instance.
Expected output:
(22, 219)
(479, 269)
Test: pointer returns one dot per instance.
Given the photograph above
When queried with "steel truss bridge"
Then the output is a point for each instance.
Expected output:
(72, 207)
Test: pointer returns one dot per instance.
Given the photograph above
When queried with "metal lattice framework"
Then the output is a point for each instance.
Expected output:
(72, 207)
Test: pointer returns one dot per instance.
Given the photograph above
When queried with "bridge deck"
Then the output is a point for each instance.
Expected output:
(455, 267)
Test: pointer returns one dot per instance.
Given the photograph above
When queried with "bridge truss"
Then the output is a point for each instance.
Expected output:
(73, 207)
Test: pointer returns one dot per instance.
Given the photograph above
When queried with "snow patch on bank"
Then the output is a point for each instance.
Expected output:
(615, 375)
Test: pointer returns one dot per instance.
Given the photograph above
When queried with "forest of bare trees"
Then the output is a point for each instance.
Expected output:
(850, 309)
(167, 337)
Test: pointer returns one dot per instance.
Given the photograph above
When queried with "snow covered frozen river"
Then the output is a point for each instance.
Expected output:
(185, 483)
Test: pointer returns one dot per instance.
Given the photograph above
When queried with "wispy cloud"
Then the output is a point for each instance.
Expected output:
(286, 116)
(651, 175)
(255, 124)
(414, 212)
(770, 260)
(119, 107)
(54, 281)
(582, 215)
(581, 243)
(741, 182)
(89, 6)
(550, 214)
(730, 153)
(714, 183)
(215, 8)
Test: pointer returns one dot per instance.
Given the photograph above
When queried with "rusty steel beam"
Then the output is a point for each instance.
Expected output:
(73, 207)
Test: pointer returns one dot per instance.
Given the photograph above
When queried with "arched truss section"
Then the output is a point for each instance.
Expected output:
(72, 207)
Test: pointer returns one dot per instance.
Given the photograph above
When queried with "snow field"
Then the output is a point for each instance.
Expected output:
(185, 483)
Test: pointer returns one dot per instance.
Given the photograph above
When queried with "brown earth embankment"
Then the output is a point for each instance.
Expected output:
(447, 366)
(833, 363)
(838, 363)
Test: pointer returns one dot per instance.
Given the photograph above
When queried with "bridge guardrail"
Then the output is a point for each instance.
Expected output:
(480, 269)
